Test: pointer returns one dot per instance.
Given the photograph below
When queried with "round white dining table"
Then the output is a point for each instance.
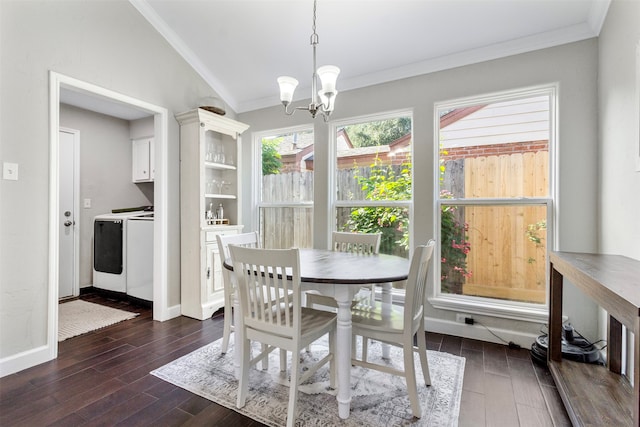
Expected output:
(340, 275)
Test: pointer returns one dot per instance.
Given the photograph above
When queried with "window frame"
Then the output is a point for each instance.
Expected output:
(335, 204)
(333, 166)
(516, 310)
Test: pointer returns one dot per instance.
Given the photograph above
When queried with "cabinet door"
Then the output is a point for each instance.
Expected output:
(141, 155)
(213, 274)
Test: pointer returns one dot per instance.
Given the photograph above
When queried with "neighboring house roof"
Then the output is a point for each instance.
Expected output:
(363, 151)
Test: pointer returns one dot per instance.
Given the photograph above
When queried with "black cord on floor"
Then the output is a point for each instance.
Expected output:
(511, 344)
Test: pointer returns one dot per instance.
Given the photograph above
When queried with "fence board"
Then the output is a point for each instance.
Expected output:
(503, 262)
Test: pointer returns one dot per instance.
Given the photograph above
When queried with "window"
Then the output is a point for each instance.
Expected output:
(285, 199)
(494, 203)
(373, 178)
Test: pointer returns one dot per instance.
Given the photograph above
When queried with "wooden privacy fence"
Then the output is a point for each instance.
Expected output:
(287, 227)
(505, 263)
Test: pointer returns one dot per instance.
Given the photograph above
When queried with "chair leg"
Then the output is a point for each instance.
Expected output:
(354, 346)
(243, 384)
(333, 372)
(226, 330)
(365, 348)
(410, 377)
(283, 360)
(265, 361)
(422, 350)
(293, 389)
(307, 303)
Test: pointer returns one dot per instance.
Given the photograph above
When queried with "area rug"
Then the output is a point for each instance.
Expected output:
(79, 317)
(378, 399)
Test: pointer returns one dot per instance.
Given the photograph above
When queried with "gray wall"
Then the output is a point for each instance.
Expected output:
(619, 133)
(105, 174)
(573, 66)
(106, 43)
(619, 181)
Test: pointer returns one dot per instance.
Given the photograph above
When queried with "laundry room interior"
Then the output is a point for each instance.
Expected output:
(116, 173)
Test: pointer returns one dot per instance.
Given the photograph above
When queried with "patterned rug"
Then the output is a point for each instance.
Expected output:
(378, 399)
(79, 317)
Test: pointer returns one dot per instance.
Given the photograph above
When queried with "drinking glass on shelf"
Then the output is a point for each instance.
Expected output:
(211, 186)
(220, 185)
(209, 152)
(219, 156)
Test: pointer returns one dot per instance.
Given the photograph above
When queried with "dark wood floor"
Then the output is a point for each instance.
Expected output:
(102, 378)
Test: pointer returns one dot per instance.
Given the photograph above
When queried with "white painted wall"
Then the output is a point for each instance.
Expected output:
(619, 181)
(108, 44)
(619, 134)
(573, 66)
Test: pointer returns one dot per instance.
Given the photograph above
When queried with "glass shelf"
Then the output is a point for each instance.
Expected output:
(219, 196)
(219, 166)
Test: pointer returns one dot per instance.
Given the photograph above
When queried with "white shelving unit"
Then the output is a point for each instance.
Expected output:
(210, 175)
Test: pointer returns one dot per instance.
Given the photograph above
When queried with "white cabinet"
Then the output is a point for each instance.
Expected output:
(142, 160)
(209, 176)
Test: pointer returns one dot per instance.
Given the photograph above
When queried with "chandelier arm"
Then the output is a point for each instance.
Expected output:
(291, 112)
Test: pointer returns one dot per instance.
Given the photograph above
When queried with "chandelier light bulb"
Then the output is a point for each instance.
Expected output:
(328, 76)
(287, 87)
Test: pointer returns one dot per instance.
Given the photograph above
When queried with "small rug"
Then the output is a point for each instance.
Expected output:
(79, 317)
(378, 399)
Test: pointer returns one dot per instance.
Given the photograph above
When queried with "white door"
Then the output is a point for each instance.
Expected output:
(68, 268)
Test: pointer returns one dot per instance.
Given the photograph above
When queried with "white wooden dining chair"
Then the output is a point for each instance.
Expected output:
(362, 243)
(224, 240)
(248, 240)
(287, 325)
(341, 241)
(397, 325)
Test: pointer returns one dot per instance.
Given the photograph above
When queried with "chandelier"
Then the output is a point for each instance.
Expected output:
(322, 101)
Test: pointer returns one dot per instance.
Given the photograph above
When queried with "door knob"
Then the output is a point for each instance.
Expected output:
(68, 223)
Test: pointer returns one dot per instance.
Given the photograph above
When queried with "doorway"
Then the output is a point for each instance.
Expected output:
(68, 227)
(100, 98)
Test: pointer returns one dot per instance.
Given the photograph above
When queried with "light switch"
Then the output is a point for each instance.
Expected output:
(87, 203)
(10, 171)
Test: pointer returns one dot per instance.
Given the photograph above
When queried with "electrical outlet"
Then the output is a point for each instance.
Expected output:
(461, 316)
(10, 171)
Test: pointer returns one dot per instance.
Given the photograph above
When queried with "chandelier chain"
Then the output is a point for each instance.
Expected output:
(314, 18)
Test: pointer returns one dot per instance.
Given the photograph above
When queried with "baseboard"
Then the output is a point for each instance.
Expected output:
(478, 332)
(171, 313)
(27, 359)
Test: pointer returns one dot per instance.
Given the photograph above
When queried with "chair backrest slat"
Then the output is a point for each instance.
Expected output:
(364, 243)
(269, 284)
(417, 283)
(248, 240)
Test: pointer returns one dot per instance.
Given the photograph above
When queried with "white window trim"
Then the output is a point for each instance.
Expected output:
(537, 313)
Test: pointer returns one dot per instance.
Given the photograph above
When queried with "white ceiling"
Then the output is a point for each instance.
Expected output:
(240, 47)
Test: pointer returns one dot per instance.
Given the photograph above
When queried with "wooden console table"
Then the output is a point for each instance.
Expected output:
(595, 395)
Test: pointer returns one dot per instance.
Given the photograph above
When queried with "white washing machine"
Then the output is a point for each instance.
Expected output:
(110, 248)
